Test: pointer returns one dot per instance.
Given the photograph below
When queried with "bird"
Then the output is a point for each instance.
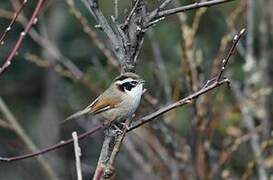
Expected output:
(118, 102)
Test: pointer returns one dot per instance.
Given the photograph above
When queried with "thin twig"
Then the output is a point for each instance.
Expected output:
(186, 100)
(154, 13)
(4, 34)
(231, 51)
(77, 151)
(164, 4)
(161, 71)
(91, 33)
(114, 38)
(56, 146)
(43, 63)
(116, 8)
(18, 44)
(187, 7)
(127, 20)
(45, 43)
(227, 152)
(213, 83)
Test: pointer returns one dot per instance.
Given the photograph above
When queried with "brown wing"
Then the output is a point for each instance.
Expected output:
(103, 104)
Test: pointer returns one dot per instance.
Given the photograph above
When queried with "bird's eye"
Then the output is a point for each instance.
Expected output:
(133, 82)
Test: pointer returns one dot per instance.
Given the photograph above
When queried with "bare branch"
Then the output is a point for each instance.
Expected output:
(210, 85)
(32, 21)
(179, 103)
(116, 8)
(127, 20)
(161, 71)
(114, 38)
(56, 146)
(77, 151)
(110, 149)
(91, 33)
(231, 51)
(196, 5)
(164, 4)
(4, 34)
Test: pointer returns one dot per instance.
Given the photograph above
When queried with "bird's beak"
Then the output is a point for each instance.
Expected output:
(142, 81)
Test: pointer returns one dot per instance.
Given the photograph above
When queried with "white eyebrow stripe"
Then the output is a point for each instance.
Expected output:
(125, 80)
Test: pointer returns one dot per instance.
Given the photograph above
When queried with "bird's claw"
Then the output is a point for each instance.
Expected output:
(116, 130)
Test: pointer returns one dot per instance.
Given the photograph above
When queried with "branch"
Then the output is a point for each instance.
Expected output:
(4, 34)
(18, 44)
(114, 38)
(161, 14)
(231, 51)
(77, 151)
(56, 146)
(109, 151)
(91, 33)
(127, 20)
(210, 85)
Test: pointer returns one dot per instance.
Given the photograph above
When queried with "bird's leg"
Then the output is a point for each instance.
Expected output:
(124, 125)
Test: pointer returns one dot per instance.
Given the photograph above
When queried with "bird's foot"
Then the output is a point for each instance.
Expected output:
(116, 130)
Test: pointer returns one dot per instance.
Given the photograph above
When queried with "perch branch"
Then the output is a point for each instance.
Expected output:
(110, 149)
(210, 85)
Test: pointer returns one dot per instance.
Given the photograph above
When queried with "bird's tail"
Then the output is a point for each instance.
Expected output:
(77, 114)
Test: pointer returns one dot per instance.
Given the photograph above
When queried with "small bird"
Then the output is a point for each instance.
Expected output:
(118, 102)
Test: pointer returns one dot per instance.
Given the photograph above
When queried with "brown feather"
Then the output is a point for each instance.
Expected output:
(102, 103)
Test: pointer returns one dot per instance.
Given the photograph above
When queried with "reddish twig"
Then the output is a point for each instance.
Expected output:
(56, 146)
(4, 34)
(231, 51)
(18, 44)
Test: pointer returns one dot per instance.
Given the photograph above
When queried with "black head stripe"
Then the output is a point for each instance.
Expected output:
(126, 86)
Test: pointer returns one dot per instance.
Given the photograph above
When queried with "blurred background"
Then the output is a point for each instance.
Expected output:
(64, 63)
